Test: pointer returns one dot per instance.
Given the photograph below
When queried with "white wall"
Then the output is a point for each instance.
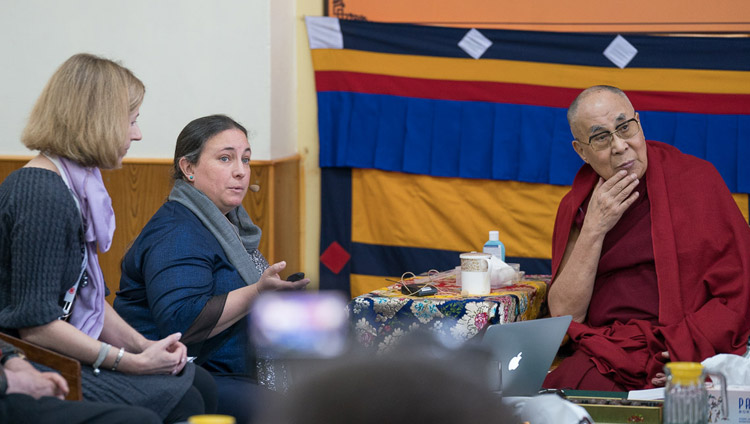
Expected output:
(196, 58)
(284, 77)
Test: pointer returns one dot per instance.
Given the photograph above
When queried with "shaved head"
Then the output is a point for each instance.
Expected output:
(573, 109)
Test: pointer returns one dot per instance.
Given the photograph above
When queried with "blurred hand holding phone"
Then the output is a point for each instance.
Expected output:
(300, 324)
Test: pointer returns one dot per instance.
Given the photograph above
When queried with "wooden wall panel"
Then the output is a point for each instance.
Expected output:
(9, 165)
(140, 187)
(137, 191)
(258, 205)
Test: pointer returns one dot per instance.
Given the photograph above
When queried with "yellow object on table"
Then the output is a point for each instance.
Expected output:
(211, 419)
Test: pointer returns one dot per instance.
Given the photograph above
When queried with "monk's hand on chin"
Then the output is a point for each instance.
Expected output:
(611, 199)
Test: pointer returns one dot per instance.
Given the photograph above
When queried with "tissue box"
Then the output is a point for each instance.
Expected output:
(739, 405)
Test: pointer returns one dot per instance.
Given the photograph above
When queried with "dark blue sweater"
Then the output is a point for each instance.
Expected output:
(169, 274)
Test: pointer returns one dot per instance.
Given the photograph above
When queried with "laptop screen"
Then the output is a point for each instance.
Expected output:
(523, 351)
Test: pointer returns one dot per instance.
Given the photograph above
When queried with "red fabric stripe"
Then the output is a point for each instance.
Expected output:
(536, 95)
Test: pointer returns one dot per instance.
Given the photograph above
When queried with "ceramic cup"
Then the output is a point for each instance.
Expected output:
(475, 273)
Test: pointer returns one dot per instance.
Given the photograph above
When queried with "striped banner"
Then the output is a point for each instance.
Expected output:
(435, 148)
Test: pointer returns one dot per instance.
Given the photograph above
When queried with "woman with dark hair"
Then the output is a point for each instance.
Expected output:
(195, 268)
(56, 213)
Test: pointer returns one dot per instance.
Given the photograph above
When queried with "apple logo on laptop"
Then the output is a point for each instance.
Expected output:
(513, 364)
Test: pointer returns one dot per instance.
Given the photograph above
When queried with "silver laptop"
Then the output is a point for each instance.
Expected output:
(523, 351)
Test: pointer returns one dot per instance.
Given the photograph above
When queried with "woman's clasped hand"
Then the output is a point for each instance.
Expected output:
(165, 356)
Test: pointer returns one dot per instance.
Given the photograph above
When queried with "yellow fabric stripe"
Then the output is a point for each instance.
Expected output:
(361, 284)
(742, 203)
(395, 209)
(407, 210)
(543, 74)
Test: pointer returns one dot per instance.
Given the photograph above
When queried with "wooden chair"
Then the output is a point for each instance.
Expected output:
(68, 367)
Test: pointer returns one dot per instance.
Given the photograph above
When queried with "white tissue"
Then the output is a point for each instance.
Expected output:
(735, 368)
(502, 274)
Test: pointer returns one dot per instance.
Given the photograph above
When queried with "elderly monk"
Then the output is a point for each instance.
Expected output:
(650, 255)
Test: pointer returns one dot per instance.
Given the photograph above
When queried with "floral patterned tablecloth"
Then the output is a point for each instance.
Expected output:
(381, 317)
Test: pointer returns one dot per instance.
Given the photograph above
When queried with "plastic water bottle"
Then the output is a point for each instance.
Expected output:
(685, 396)
(494, 246)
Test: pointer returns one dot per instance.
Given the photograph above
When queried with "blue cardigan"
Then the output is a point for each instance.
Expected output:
(169, 274)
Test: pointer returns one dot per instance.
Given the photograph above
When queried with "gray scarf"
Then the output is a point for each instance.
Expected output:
(226, 228)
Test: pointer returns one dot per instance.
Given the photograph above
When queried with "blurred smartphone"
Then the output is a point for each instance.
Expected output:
(419, 289)
(300, 324)
(296, 276)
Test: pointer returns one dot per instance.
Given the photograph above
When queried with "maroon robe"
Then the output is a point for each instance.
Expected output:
(701, 264)
(626, 287)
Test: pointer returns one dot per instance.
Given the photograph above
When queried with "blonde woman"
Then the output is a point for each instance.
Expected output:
(56, 213)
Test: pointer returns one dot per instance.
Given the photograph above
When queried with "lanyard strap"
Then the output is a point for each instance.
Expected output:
(70, 295)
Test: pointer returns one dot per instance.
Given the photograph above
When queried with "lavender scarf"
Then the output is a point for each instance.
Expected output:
(99, 226)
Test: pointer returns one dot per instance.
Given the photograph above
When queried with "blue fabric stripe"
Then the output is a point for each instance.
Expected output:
(418, 133)
(507, 142)
(550, 47)
(390, 134)
(565, 160)
(391, 128)
(336, 223)
(371, 259)
(446, 138)
(743, 156)
(360, 147)
(476, 140)
(446, 129)
(722, 154)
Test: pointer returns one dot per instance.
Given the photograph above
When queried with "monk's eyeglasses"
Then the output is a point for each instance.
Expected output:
(626, 130)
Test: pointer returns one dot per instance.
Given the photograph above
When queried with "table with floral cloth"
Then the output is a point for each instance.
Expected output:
(380, 318)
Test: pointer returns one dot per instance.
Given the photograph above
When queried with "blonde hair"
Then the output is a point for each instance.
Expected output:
(83, 111)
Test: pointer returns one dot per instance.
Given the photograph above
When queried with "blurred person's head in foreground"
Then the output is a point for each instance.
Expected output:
(401, 387)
